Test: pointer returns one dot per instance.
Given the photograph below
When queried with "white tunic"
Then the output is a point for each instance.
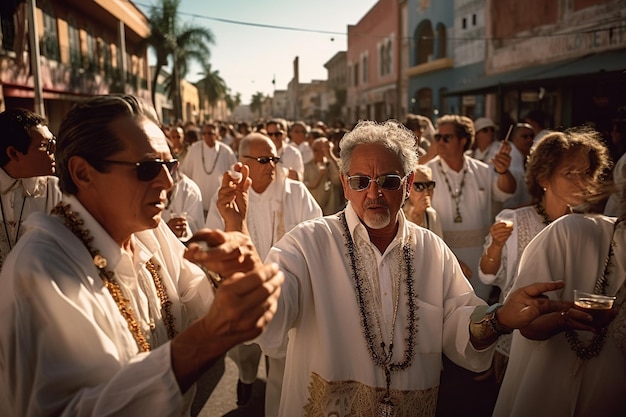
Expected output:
(65, 349)
(616, 204)
(488, 154)
(480, 190)
(306, 151)
(283, 205)
(205, 166)
(20, 198)
(291, 158)
(546, 378)
(526, 224)
(185, 197)
(329, 369)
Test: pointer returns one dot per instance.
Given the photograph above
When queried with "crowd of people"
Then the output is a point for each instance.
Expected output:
(369, 265)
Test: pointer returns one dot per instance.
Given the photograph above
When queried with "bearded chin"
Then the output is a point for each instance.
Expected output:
(377, 221)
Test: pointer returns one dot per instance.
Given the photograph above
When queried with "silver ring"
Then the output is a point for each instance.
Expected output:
(563, 313)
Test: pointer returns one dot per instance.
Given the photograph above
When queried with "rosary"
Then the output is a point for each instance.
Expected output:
(456, 196)
(383, 357)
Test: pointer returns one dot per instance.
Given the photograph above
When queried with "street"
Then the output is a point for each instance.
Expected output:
(219, 384)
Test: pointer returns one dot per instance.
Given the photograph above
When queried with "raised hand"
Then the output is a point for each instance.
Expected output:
(232, 198)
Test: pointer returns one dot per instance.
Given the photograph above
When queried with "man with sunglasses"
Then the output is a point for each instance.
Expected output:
(276, 205)
(290, 156)
(468, 189)
(27, 181)
(205, 162)
(371, 300)
(104, 310)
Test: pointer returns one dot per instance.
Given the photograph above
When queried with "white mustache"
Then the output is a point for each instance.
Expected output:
(378, 202)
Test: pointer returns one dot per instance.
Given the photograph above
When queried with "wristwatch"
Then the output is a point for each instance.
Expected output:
(483, 322)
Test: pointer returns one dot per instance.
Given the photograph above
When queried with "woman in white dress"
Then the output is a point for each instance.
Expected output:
(564, 170)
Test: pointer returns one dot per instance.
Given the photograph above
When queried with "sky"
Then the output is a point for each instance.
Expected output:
(249, 57)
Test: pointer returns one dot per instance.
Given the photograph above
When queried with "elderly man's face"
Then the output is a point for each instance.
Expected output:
(376, 207)
(129, 204)
(262, 174)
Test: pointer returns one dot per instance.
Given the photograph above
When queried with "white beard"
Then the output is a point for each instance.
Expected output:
(377, 221)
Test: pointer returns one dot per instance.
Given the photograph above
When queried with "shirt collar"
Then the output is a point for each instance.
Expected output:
(144, 243)
(31, 185)
(358, 230)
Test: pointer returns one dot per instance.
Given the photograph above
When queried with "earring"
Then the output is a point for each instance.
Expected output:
(545, 189)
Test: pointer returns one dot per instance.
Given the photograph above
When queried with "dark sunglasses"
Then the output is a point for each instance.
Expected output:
(486, 129)
(386, 182)
(148, 170)
(422, 186)
(274, 134)
(49, 146)
(446, 138)
(264, 159)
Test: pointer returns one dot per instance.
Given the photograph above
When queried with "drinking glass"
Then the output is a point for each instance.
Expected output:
(595, 304)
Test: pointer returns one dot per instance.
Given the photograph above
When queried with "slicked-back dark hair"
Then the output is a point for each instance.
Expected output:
(86, 132)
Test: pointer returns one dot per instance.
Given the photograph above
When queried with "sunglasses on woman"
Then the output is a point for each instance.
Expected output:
(148, 170)
(386, 182)
(422, 186)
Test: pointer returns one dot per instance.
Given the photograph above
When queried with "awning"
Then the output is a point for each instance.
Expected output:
(588, 65)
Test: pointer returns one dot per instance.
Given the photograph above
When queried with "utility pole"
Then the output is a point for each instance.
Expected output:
(34, 59)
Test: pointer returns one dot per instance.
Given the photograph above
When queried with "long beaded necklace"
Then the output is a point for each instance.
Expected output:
(597, 341)
(542, 213)
(456, 196)
(19, 223)
(383, 357)
(217, 155)
(75, 223)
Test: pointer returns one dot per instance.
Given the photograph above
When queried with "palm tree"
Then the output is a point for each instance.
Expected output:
(256, 103)
(232, 101)
(212, 87)
(182, 42)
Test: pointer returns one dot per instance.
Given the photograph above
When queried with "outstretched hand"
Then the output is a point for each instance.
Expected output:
(526, 304)
(222, 252)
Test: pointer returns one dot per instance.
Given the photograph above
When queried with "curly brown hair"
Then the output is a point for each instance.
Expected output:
(551, 150)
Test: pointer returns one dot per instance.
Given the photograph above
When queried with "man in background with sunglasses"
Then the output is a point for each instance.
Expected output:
(468, 188)
(371, 300)
(276, 205)
(102, 312)
(27, 181)
(290, 156)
